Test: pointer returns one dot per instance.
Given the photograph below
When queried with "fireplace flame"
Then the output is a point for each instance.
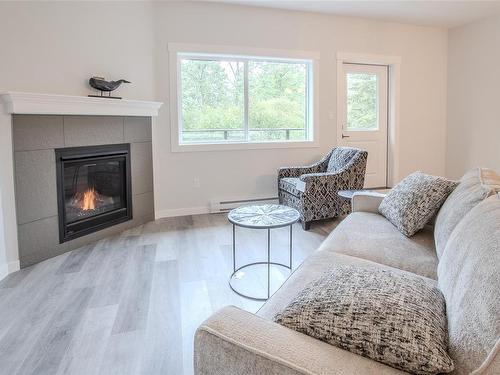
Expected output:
(89, 200)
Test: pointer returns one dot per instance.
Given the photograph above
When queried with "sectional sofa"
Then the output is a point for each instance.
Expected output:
(460, 252)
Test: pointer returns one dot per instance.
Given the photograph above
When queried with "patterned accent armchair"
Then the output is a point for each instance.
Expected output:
(312, 190)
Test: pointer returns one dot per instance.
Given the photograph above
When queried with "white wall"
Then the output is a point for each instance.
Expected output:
(9, 260)
(55, 47)
(473, 137)
(252, 173)
(4, 264)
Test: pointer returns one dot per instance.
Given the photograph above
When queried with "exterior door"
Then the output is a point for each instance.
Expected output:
(362, 116)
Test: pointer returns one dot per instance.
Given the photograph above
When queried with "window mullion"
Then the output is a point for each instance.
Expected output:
(307, 102)
(245, 100)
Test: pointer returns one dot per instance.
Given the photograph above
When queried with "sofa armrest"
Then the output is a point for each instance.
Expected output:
(367, 201)
(233, 341)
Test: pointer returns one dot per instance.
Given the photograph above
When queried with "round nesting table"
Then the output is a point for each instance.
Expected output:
(266, 216)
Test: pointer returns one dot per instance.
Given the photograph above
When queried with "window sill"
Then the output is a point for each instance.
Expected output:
(200, 147)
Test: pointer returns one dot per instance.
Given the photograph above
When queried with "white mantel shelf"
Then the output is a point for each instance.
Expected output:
(49, 104)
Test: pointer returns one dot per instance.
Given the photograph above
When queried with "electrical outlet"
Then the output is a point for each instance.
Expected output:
(196, 182)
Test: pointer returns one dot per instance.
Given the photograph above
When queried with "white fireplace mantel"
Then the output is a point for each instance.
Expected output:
(50, 104)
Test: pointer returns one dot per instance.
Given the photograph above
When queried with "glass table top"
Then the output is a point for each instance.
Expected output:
(263, 216)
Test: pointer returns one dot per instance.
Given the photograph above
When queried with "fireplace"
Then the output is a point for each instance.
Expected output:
(93, 188)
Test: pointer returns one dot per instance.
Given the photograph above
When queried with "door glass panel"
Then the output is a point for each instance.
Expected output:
(362, 101)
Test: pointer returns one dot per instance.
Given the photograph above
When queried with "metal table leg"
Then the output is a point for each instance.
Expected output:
(268, 262)
(234, 249)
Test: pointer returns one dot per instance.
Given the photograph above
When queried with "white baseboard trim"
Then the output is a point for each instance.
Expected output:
(182, 212)
(8, 268)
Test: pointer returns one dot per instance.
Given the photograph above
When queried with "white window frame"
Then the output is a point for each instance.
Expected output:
(177, 51)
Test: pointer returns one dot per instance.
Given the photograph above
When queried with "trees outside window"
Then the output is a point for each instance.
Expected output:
(362, 101)
(242, 99)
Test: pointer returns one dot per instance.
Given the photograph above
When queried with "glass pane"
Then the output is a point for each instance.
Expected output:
(362, 101)
(277, 101)
(92, 188)
(212, 101)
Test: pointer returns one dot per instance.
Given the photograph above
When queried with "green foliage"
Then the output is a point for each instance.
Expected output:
(277, 95)
(362, 101)
(213, 98)
(276, 113)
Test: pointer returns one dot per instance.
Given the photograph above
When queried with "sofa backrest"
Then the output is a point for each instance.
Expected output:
(341, 156)
(474, 187)
(468, 276)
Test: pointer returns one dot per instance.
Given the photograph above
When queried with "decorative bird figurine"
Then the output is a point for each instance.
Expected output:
(100, 83)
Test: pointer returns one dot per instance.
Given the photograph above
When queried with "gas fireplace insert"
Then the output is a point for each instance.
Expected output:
(93, 188)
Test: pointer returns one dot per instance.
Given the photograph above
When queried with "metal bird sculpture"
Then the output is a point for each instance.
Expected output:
(99, 83)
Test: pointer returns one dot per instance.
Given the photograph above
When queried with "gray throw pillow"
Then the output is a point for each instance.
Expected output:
(415, 200)
(392, 317)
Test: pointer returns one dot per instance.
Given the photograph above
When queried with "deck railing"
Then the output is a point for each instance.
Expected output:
(225, 134)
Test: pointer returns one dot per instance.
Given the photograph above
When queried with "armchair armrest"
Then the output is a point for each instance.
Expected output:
(233, 341)
(320, 166)
(367, 201)
(312, 176)
(345, 178)
(296, 171)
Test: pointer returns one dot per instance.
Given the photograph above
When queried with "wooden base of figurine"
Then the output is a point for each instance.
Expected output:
(103, 96)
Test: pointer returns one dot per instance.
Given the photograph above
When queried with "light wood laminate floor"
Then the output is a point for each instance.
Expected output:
(130, 304)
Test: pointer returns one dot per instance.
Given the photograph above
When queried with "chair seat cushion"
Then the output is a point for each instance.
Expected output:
(394, 318)
(372, 237)
(292, 185)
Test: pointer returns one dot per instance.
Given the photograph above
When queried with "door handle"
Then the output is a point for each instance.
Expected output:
(345, 136)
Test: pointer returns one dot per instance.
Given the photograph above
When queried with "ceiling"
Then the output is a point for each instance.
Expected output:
(431, 13)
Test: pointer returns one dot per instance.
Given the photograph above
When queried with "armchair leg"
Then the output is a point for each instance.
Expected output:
(306, 225)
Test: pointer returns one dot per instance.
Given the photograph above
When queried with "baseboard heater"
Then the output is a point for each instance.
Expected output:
(219, 206)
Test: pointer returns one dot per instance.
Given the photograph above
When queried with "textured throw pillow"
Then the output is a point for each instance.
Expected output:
(415, 200)
(394, 318)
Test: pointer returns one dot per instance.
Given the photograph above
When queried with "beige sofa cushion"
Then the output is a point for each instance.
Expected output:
(475, 186)
(468, 276)
(312, 268)
(372, 237)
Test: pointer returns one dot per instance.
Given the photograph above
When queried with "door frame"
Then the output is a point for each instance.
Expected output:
(394, 72)
(378, 137)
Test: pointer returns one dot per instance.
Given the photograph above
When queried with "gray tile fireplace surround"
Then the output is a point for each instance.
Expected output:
(35, 137)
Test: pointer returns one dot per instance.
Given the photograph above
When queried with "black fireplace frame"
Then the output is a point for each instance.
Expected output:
(107, 219)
